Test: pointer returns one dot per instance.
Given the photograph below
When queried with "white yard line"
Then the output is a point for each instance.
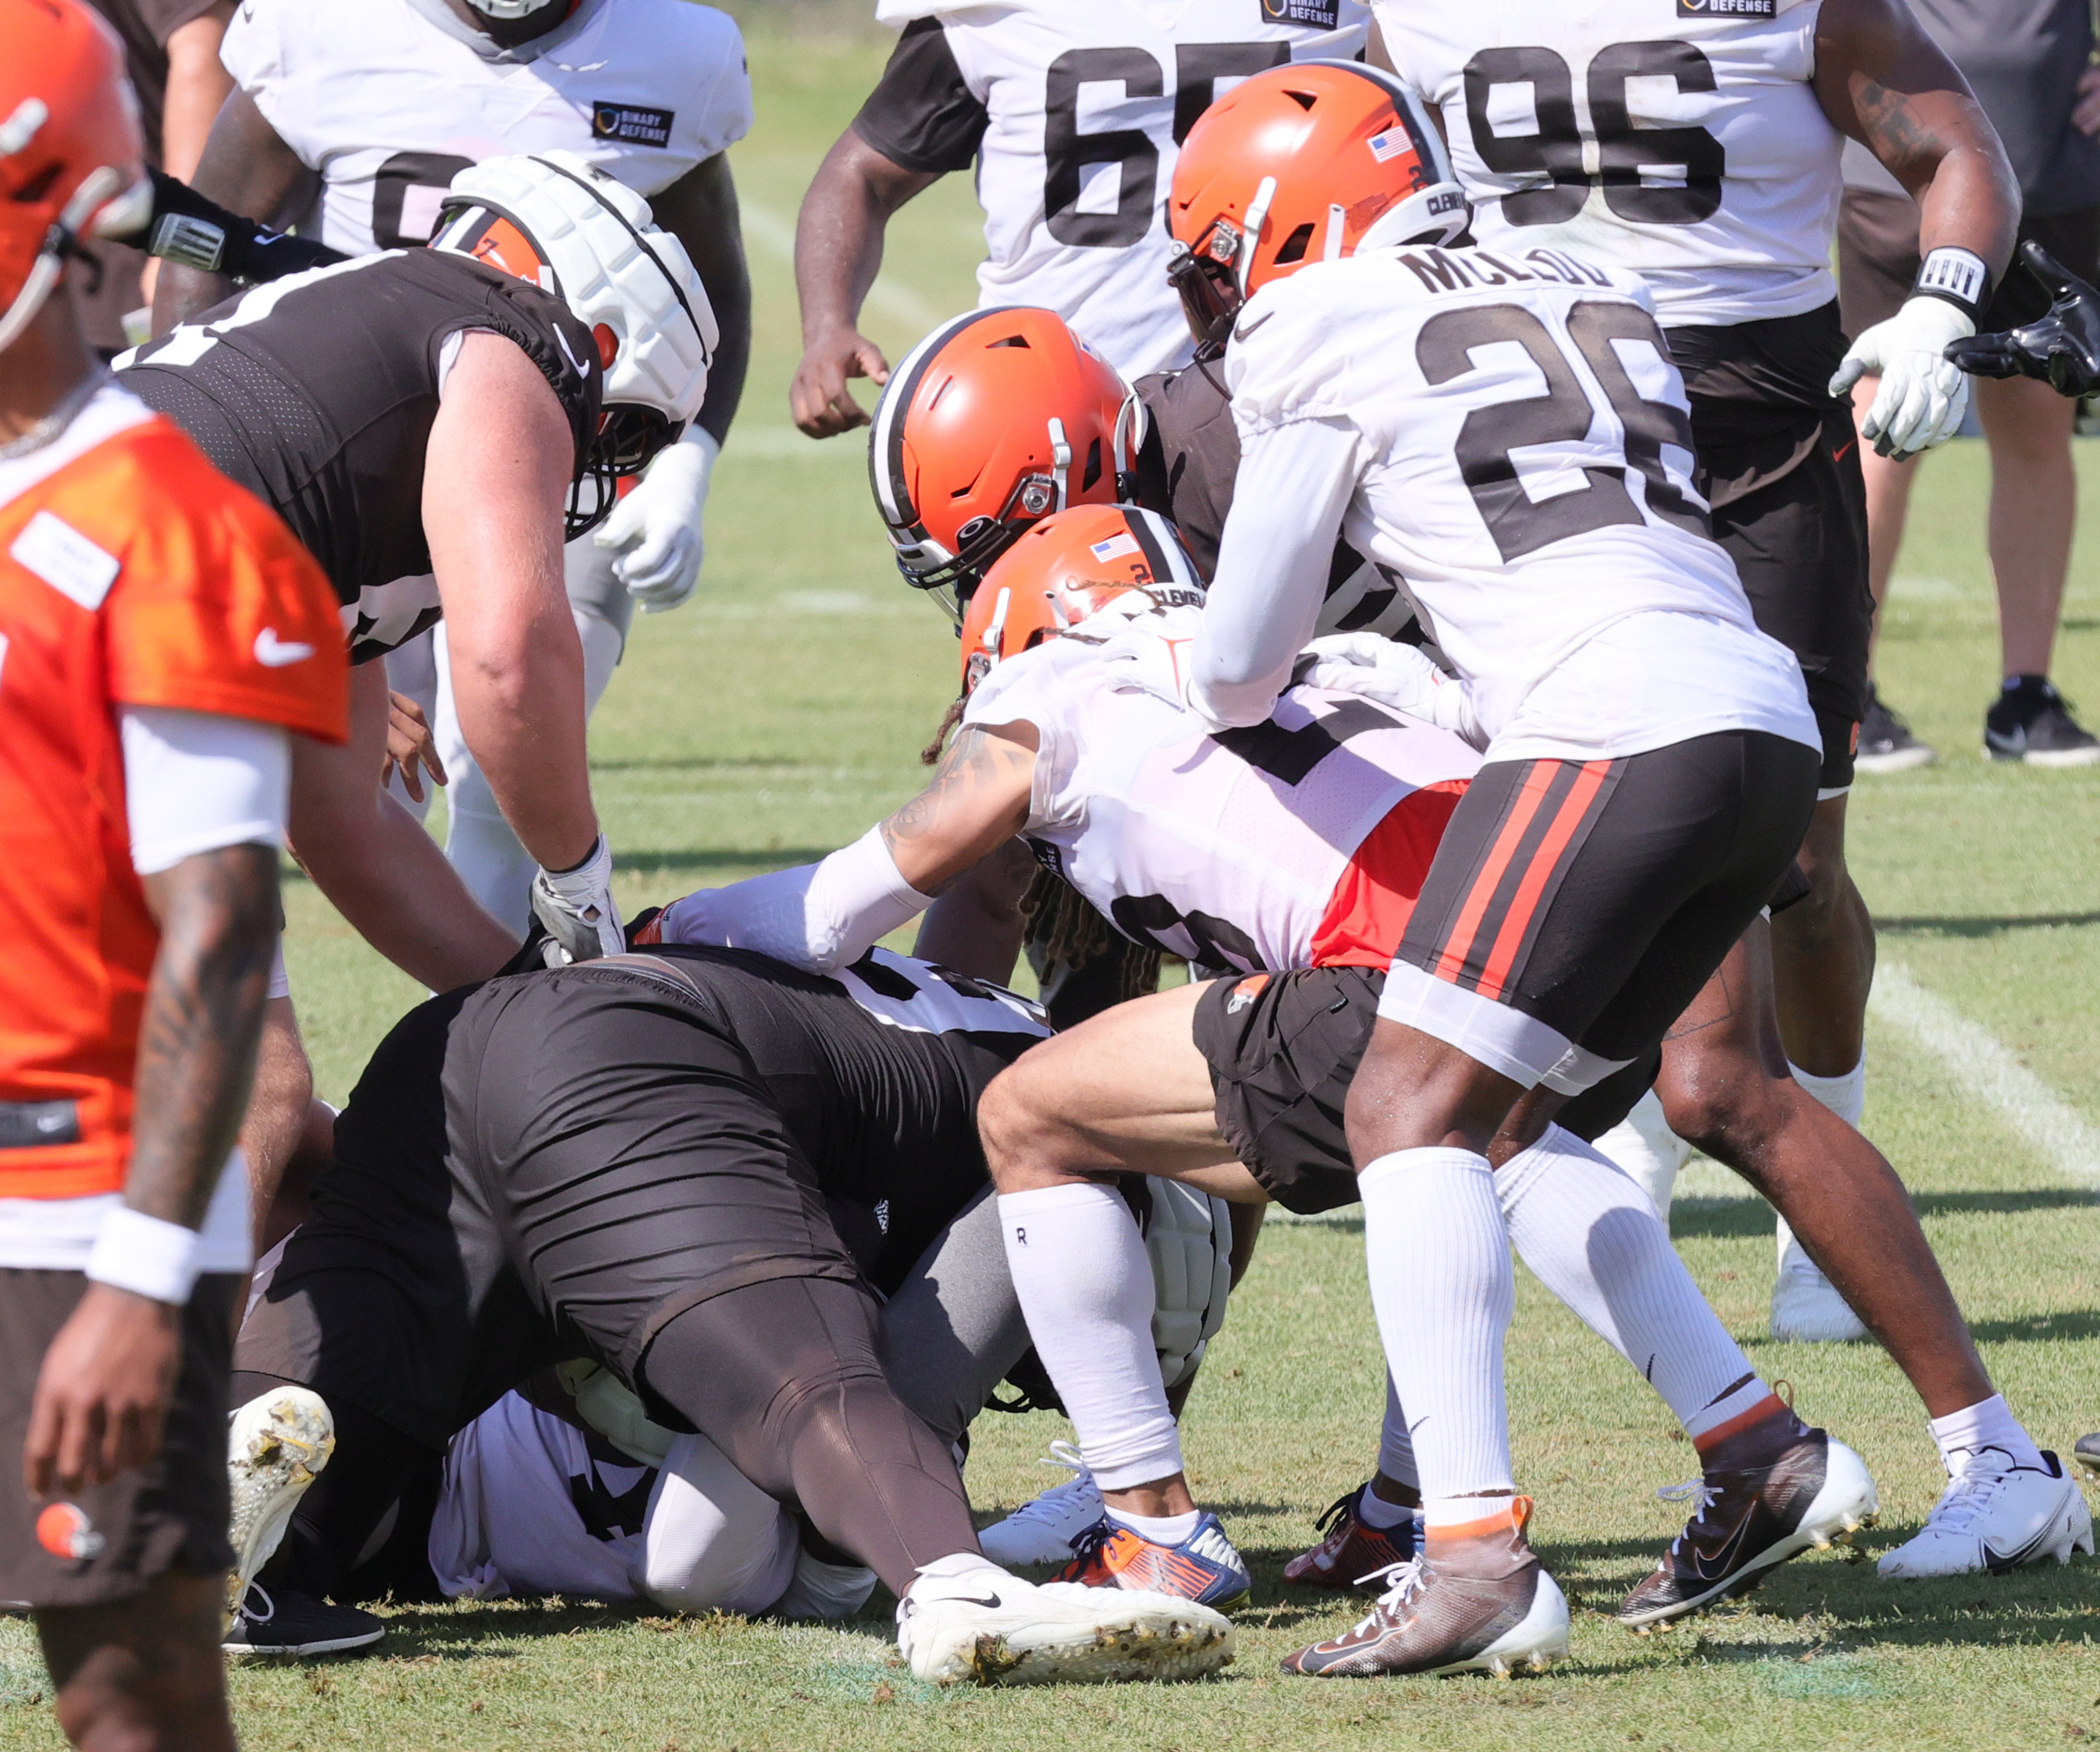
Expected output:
(776, 235)
(1979, 1063)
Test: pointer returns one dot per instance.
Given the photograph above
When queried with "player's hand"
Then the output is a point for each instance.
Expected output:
(102, 1395)
(819, 398)
(409, 745)
(654, 532)
(1399, 676)
(1923, 396)
(2062, 349)
(577, 908)
(1151, 653)
(2086, 113)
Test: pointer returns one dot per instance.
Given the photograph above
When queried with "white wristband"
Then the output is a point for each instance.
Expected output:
(143, 1254)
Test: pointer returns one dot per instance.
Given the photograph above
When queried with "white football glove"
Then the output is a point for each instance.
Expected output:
(655, 533)
(1151, 653)
(1394, 675)
(577, 909)
(1923, 396)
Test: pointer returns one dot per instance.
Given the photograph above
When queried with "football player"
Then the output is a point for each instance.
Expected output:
(1508, 436)
(1072, 111)
(164, 641)
(635, 1160)
(1700, 151)
(1721, 1072)
(359, 400)
(1297, 842)
(353, 118)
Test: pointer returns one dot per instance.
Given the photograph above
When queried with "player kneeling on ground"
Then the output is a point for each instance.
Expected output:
(143, 755)
(1300, 842)
(600, 1160)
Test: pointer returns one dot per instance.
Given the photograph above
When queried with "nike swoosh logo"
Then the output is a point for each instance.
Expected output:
(991, 1603)
(274, 652)
(563, 341)
(1838, 454)
(1245, 329)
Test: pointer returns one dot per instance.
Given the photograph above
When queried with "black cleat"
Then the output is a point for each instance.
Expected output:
(1886, 744)
(2030, 721)
(292, 1624)
(1750, 1520)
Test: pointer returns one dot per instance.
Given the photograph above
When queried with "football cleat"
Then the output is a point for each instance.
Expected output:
(289, 1623)
(2030, 721)
(995, 1629)
(1354, 1553)
(1203, 1567)
(2087, 1453)
(1042, 1531)
(275, 1446)
(1436, 1619)
(1996, 1521)
(1750, 1520)
(1805, 1306)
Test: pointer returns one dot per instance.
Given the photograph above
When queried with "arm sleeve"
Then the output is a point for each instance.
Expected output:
(164, 17)
(1294, 485)
(922, 115)
(194, 781)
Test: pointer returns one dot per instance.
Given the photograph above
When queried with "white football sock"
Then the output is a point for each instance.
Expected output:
(1963, 1436)
(1847, 1096)
(1373, 1510)
(1443, 1288)
(1162, 1530)
(1085, 1284)
(1592, 1238)
(1395, 1451)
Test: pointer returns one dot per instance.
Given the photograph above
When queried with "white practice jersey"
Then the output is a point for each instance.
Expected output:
(390, 100)
(1682, 143)
(1073, 111)
(1226, 848)
(1520, 448)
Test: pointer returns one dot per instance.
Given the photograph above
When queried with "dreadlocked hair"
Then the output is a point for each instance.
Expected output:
(1064, 930)
(930, 755)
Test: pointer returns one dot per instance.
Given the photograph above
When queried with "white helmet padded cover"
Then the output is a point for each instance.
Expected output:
(1189, 1238)
(608, 263)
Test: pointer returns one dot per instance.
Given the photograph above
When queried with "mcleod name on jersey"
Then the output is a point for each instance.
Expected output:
(1242, 850)
(1677, 138)
(1073, 111)
(1520, 448)
(390, 100)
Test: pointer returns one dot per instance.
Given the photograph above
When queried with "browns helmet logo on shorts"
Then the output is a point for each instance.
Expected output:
(65, 1531)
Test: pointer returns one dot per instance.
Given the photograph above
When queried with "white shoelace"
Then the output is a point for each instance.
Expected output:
(1407, 1584)
(1969, 1492)
(1697, 1492)
(248, 1614)
(1057, 1499)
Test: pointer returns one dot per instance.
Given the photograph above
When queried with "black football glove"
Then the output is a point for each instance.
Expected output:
(192, 231)
(2062, 349)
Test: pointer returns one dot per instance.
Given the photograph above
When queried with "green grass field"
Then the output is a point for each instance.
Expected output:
(779, 713)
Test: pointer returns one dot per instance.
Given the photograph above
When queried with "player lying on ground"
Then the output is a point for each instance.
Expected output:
(1723, 1076)
(357, 400)
(144, 744)
(1298, 843)
(629, 1160)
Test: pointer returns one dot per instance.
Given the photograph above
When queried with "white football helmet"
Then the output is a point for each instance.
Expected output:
(557, 219)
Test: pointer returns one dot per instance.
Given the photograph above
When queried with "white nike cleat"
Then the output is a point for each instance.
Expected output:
(275, 1445)
(1805, 1306)
(965, 1619)
(1994, 1520)
(1042, 1532)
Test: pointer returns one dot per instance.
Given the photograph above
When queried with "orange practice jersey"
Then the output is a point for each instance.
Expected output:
(133, 573)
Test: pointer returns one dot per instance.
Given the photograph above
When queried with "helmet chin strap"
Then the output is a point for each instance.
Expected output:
(510, 9)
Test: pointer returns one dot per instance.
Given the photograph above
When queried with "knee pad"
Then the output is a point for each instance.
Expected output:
(1189, 1236)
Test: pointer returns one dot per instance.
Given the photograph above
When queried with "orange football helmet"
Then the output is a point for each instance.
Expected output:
(1066, 567)
(72, 158)
(1307, 162)
(994, 419)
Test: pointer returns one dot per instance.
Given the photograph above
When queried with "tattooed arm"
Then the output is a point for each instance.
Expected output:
(104, 1389)
(1885, 83)
(826, 916)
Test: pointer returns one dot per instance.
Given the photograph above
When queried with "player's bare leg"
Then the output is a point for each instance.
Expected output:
(146, 1674)
(1823, 955)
